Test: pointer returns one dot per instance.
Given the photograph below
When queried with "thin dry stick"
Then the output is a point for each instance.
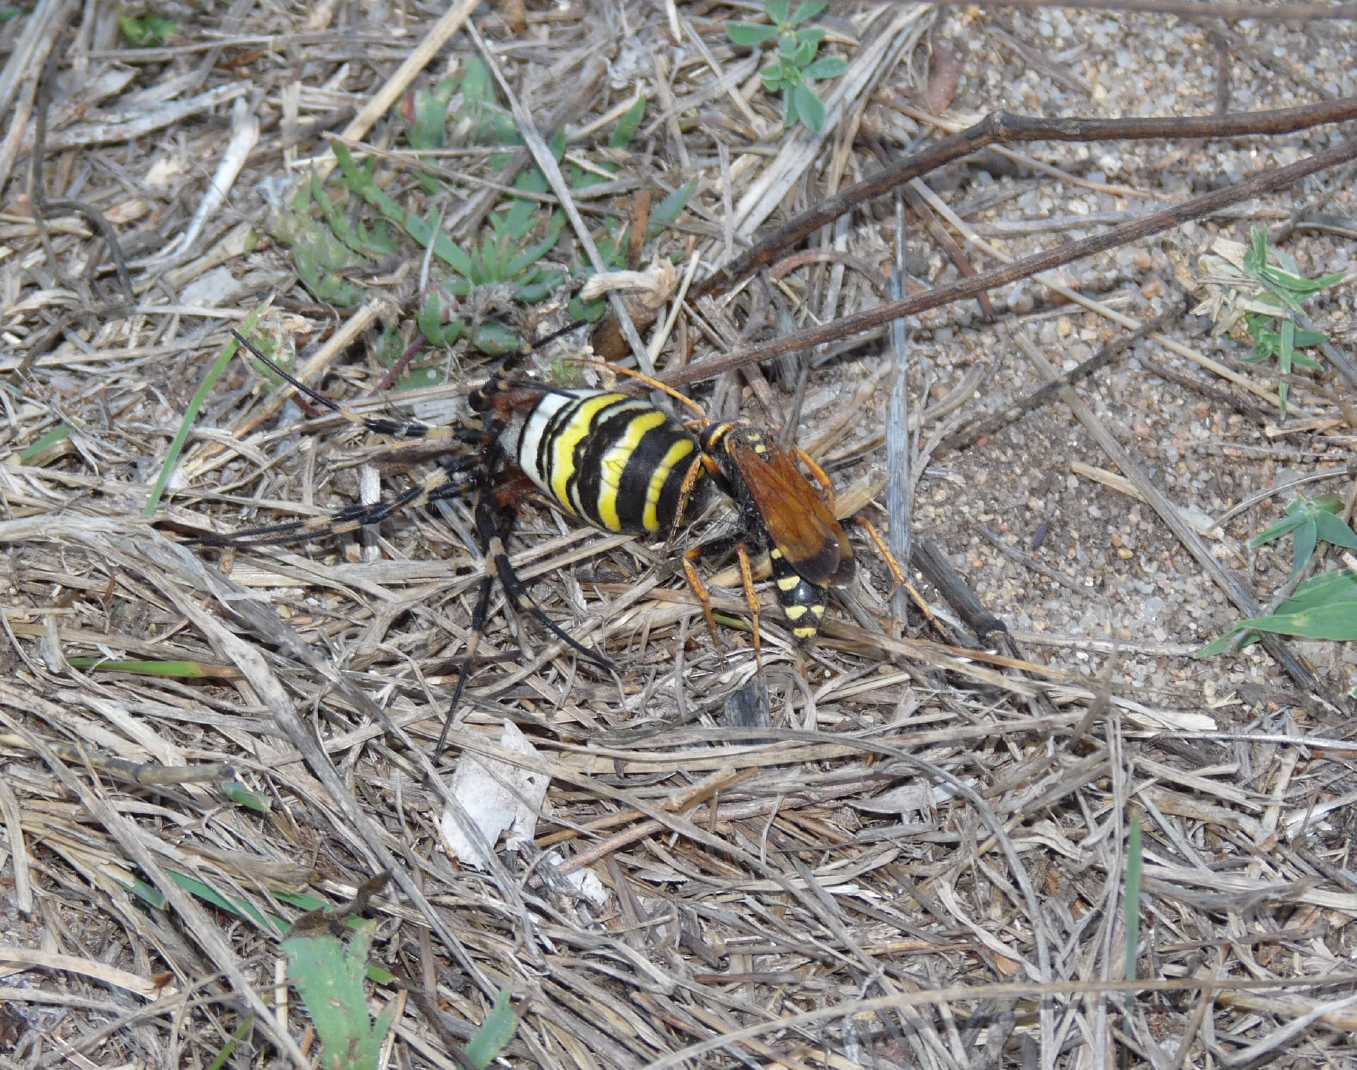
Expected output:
(899, 446)
(1229, 12)
(1169, 514)
(993, 423)
(1154, 223)
(438, 35)
(1007, 128)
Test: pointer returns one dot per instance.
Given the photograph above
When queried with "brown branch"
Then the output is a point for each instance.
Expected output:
(1006, 128)
(1153, 223)
(1229, 12)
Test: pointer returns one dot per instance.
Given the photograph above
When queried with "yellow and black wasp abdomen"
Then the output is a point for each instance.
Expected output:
(802, 602)
(615, 461)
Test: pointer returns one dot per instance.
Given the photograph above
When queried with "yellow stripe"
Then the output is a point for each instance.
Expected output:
(650, 518)
(561, 455)
(788, 583)
(615, 461)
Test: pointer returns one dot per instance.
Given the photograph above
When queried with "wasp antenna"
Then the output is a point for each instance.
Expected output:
(645, 380)
(549, 338)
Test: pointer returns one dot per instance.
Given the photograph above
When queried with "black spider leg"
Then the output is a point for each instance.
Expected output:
(494, 527)
(441, 484)
(380, 425)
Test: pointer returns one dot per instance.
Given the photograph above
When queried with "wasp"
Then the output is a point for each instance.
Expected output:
(623, 465)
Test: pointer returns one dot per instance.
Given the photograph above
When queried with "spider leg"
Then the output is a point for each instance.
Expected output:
(495, 513)
(441, 484)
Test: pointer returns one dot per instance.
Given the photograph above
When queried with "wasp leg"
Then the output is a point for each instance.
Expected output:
(695, 472)
(478, 616)
(690, 558)
(751, 599)
(897, 573)
(819, 475)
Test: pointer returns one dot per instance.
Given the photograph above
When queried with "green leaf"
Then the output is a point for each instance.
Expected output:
(1333, 530)
(429, 130)
(825, 67)
(801, 55)
(437, 330)
(178, 670)
(242, 796)
(1292, 521)
(808, 10)
(478, 84)
(1135, 865)
(1256, 257)
(55, 436)
(630, 122)
(215, 372)
(495, 339)
(243, 1030)
(778, 11)
(1336, 621)
(808, 107)
(208, 894)
(494, 1034)
(1328, 588)
(750, 35)
(150, 31)
(529, 256)
(1307, 538)
(329, 975)
(672, 206)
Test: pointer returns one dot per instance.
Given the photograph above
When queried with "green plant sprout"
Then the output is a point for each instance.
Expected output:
(349, 230)
(1275, 333)
(795, 66)
(329, 974)
(148, 31)
(1322, 608)
(1263, 286)
(1311, 519)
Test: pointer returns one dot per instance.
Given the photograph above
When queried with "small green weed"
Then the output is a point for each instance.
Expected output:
(1282, 286)
(1263, 286)
(494, 1035)
(1322, 608)
(345, 234)
(329, 974)
(795, 66)
(1310, 519)
(146, 31)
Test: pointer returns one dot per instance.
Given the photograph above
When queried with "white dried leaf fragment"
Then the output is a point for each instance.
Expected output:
(495, 796)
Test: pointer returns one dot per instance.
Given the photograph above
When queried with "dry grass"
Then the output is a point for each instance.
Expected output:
(915, 854)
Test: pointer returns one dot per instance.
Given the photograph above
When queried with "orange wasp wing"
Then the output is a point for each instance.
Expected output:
(798, 521)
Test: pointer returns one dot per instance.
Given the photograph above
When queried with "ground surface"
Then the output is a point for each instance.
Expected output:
(902, 828)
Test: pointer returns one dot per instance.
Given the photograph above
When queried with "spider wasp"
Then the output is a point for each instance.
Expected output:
(618, 463)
